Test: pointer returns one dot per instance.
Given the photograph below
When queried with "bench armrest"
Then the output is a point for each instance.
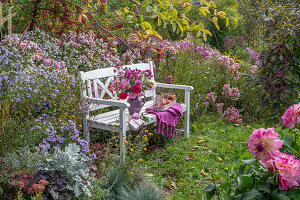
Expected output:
(110, 102)
(165, 85)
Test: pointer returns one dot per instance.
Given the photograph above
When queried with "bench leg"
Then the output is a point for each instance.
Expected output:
(187, 114)
(122, 132)
(86, 130)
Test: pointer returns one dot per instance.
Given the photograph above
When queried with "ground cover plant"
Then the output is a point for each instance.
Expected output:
(245, 110)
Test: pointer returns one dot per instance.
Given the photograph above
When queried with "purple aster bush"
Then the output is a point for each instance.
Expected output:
(38, 83)
(58, 135)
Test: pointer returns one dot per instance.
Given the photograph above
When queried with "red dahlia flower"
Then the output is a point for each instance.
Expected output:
(123, 95)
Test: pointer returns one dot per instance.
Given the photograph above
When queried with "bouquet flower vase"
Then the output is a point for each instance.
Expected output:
(135, 105)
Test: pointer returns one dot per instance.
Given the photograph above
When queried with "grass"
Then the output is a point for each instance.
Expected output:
(184, 165)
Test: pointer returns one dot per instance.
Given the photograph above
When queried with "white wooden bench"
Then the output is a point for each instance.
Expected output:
(116, 120)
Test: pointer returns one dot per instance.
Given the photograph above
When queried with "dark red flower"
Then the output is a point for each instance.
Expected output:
(123, 95)
(136, 88)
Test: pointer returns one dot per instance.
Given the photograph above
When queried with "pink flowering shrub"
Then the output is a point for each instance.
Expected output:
(228, 62)
(211, 97)
(220, 107)
(291, 116)
(231, 115)
(234, 92)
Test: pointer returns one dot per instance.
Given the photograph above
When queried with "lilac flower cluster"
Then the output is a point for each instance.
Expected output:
(232, 115)
(234, 41)
(11, 65)
(231, 91)
(220, 107)
(33, 78)
(254, 69)
(211, 97)
(254, 56)
(228, 62)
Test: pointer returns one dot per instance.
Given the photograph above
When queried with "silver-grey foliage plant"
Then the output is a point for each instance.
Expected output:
(73, 164)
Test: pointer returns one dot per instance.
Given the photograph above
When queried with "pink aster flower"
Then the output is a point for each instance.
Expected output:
(132, 95)
(138, 82)
(291, 116)
(289, 170)
(263, 143)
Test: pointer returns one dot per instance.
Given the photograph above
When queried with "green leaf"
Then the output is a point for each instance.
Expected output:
(149, 8)
(252, 194)
(288, 139)
(174, 26)
(209, 188)
(244, 182)
(158, 21)
(265, 187)
(163, 15)
(187, 9)
(249, 161)
(281, 197)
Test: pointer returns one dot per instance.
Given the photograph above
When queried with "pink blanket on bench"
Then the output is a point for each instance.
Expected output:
(167, 120)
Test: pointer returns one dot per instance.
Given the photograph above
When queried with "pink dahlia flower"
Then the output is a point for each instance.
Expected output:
(263, 144)
(289, 170)
(291, 116)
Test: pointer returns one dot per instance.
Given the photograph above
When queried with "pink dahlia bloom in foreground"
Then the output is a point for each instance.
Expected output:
(289, 170)
(264, 144)
(291, 116)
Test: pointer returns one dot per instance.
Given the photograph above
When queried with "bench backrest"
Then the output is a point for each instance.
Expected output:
(96, 83)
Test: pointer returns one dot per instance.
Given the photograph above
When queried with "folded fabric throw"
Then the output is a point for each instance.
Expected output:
(167, 119)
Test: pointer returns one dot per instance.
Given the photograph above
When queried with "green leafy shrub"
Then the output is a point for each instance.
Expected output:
(278, 80)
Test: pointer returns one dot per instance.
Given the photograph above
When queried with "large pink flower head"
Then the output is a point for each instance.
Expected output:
(289, 170)
(291, 116)
(263, 143)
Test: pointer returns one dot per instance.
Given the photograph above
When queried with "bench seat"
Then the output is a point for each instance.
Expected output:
(110, 120)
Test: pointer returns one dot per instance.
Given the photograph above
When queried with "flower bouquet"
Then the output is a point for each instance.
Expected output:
(132, 83)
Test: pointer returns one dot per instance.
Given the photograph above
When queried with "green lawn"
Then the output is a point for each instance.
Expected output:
(179, 165)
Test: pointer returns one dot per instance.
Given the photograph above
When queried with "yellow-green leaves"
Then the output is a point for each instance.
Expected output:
(215, 21)
(227, 21)
(204, 10)
(235, 19)
(172, 13)
(187, 9)
(119, 12)
(148, 29)
(126, 10)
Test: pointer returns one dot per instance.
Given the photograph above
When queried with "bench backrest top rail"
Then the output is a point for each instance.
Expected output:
(96, 82)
